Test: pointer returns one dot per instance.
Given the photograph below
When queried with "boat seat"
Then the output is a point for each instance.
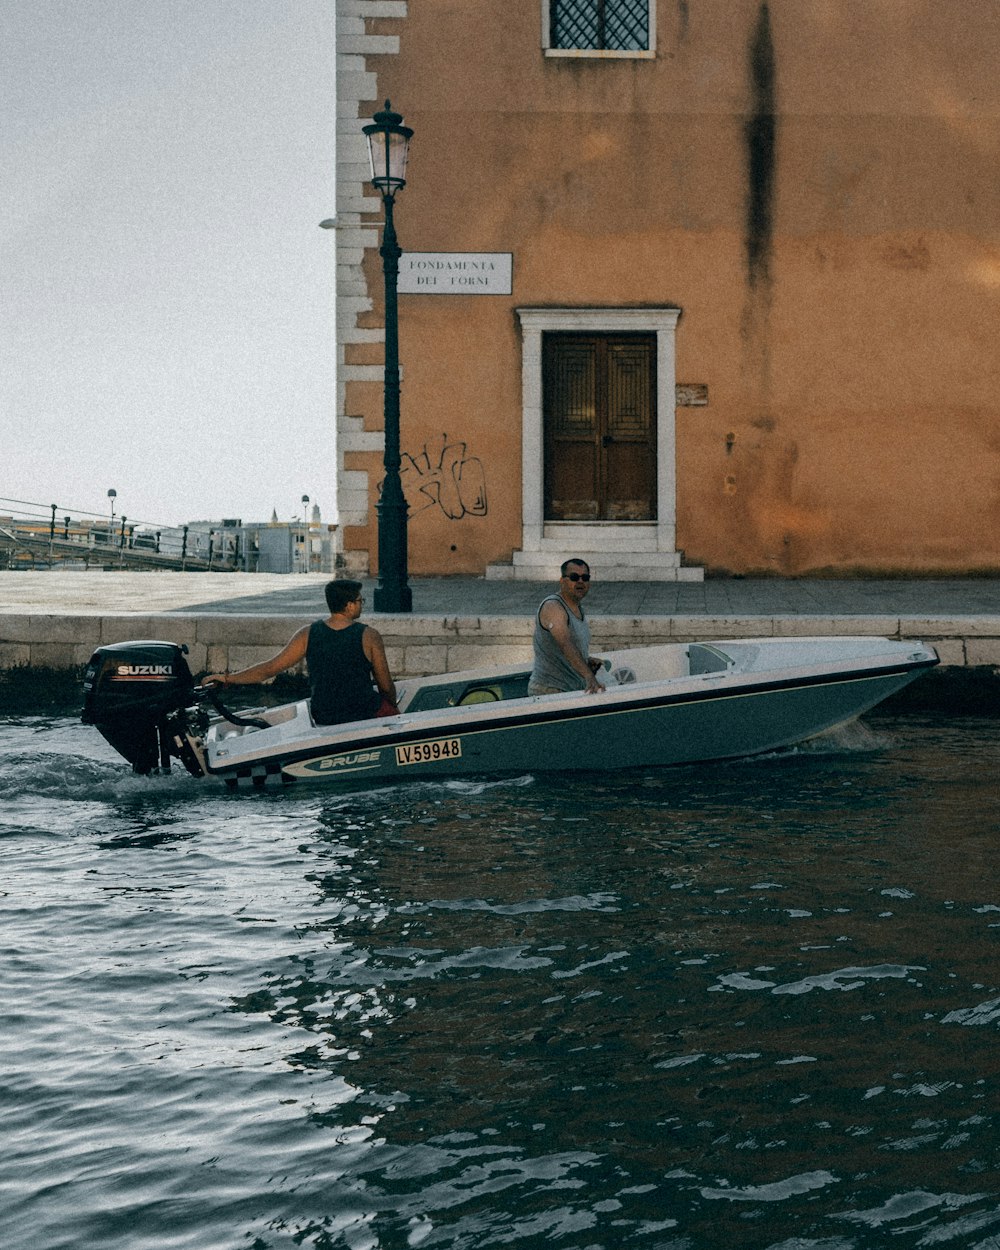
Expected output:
(481, 694)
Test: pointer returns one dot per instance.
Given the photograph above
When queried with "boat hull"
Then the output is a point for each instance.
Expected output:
(709, 716)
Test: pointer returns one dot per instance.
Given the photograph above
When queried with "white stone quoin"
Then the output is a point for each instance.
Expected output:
(356, 86)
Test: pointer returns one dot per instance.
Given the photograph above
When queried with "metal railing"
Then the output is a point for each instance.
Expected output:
(40, 535)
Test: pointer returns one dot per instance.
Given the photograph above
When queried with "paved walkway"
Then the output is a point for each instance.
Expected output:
(99, 593)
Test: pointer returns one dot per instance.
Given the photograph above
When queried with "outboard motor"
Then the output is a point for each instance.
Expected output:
(135, 694)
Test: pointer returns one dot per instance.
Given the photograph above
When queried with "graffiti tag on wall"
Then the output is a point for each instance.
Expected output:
(444, 476)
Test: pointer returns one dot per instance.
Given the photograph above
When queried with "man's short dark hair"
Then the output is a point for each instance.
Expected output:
(340, 593)
(566, 563)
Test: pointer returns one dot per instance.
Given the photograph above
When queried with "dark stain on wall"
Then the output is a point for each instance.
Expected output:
(760, 131)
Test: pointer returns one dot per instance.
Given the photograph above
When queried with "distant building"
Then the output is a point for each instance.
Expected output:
(291, 546)
(686, 285)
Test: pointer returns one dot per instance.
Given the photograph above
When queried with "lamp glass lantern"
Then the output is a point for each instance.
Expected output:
(388, 148)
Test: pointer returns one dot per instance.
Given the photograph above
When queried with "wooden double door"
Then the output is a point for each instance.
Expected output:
(599, 397)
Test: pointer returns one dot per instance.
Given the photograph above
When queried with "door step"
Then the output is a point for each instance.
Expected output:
(606, 566)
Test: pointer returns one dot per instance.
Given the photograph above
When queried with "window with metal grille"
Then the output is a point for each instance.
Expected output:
(605, 25)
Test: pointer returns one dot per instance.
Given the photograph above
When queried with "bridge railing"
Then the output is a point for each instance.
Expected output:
(49, 534)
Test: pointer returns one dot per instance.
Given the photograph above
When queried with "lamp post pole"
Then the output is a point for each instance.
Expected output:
(392, 594)
(388, 142)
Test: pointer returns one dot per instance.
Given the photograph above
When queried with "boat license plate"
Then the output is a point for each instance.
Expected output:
(426, 752)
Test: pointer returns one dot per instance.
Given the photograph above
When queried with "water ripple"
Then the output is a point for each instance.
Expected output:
(904, 1206)
(984, 1013)
(776, 1191)
(590, 902)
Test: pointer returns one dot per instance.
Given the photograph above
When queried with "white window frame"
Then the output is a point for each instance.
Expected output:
(635, 54)
(537, 321)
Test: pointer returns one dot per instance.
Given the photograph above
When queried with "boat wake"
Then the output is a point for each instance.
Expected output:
(855, 736)
(485, 784)
(57, 775)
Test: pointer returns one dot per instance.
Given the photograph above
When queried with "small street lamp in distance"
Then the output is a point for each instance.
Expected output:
(112, 495)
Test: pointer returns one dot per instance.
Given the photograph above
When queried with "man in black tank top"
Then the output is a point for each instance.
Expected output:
(348, 671)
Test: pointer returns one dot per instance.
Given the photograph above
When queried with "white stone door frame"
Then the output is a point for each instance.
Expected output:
(534, 323)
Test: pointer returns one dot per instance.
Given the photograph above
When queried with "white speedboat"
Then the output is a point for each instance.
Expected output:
(677, 703)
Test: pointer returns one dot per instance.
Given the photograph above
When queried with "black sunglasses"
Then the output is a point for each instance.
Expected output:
(578, 577)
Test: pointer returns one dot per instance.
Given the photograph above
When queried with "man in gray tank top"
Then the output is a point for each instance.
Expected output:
(561, 641)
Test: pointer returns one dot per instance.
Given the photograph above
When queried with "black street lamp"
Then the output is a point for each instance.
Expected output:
(305, 561)
(388, 145)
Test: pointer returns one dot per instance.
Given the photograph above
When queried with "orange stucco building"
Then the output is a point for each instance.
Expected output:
(715, 285)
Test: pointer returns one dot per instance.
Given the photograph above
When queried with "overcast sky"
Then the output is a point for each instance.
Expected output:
(167, 319)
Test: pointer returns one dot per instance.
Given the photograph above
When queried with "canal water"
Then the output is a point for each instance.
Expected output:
(742, 1005)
